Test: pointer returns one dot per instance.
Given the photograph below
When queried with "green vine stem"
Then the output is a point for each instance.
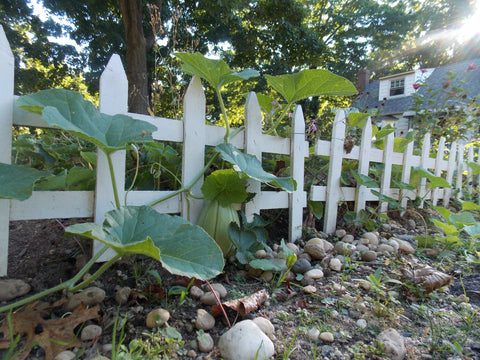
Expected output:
(224, 113)
(137, 167)
(114, 183)
(189, 186)
(280, 118)
(97, 273)
(67, 285)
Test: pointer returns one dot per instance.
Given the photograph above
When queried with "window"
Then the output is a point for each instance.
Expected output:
(397, 87)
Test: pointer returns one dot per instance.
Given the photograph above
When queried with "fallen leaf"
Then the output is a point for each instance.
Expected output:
(244, 305)
(428, 277)
(53, 335)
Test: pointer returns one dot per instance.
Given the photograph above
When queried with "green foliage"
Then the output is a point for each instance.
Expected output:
(69, 111)
(224, 186)
(182, 248)
(17, 181)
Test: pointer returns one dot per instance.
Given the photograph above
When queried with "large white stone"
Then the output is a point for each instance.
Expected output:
(394, 344)
(245, 341)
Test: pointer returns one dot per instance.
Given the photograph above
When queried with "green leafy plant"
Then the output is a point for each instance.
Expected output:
(181, 247)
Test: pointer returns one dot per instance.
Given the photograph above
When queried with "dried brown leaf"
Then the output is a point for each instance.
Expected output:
(244, 305)
(430, 278)
(53, 335)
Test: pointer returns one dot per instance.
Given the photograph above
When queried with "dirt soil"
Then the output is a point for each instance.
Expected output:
(41, 255)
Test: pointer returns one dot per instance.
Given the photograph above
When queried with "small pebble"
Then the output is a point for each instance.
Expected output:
(65, 355)
(336, 265)
(157, 318)
(326, 336)
(204, 320)
(340, 233)
(205, 343)
(196, 292)
(265, 325)
(314, 274)
(90, 332)
(310, 289)
(369, 255)
(313, 334)
(362, 323)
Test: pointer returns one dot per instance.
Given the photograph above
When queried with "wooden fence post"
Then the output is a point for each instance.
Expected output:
(438, 169)
(450, 169)
(193, 156)
(424, 161)
(364, 165)
(460, 160)
(469, 169)
(7, 69)
(334, 172)
(387, 170)
(406, 172)
(113, 99)
(298, 152)
(253, 133)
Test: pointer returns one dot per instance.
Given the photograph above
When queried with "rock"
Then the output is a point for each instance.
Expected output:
(385, 248)
(191, 353)
(205, 343)
(293, 247)
(267, 276)
(326, 336)
(368, 255)
(339, 289)
(313, 334)
(122, 295)
(301, 266)
(157, 318)
(13, 288)
(245, 341)
(411, 224)
(265, 325)
(316, 251)
(309, 289)
(90, 332)
(371, 237)
(362, 248)
(89, 296)
(314, 274)
(196, 292)
(260, 254)
(394, 344)
(305, 256)
(348, 239)
(340, 233)
(362, 323)
(208, 299)
(204, 320)
(336, 265)
(343, 248)
(393, 243)
(220, 290)
(65, 355)
(405, 246)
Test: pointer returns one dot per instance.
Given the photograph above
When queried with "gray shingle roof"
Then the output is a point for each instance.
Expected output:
(369, 98)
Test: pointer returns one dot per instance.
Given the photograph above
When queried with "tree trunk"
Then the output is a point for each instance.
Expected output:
(137, 76)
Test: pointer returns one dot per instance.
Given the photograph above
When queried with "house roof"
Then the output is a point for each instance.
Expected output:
(398, 105)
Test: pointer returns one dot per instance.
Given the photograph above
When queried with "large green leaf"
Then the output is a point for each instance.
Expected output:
(17, 182)
(183, 248)
(225, 186)
(448, 229)
(69, 111)
(252, 167)
(435, 181)
(215, 71)
(308, 83)
(364, 180)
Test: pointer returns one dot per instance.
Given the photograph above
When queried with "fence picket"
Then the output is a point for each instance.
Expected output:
(450, 170)
(7, 69)
(421, 192)
(113, 99)
(438, 169)
(460, 167)
(387, 171)
(406, 172)
(334, 172)
(469, 169)
(193, 157)
(364, 165)
(298, 153)
(252, 145)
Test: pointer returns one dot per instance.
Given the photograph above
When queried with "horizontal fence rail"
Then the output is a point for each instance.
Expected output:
(194, 135)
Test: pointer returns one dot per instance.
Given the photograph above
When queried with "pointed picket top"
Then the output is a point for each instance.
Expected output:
(113, 97)
(253, 113)
(194, 91)
(298, 125)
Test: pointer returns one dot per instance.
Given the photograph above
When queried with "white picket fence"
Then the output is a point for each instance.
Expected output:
(194, 135)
